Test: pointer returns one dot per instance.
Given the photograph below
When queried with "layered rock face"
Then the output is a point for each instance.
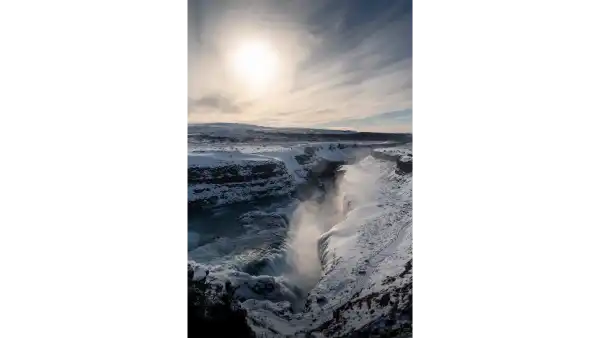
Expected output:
(237, 182)
(224, 177)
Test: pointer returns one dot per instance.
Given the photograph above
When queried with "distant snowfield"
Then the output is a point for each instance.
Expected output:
(229, 129)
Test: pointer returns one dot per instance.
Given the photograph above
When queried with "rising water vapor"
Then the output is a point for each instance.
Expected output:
(316, 216)
(309, 221)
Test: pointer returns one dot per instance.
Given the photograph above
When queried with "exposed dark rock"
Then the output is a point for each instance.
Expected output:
(388, 280)
(303, 159)
(211, 314)
(404, 167)
(253, 180)
(234, 173)
(309, 151)
(263, 287)
(385, 300)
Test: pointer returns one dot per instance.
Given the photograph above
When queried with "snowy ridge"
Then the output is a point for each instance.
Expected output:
(235, 129)
(402, 153)
(217, 159)
(206, 134)
(219, 175)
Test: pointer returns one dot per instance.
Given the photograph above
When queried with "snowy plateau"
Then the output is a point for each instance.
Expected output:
(298, 232)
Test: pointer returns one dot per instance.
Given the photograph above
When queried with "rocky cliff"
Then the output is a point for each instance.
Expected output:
(237, 182)
(218, 177)
(402, 155)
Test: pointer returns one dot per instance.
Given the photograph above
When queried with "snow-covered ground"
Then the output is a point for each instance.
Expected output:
(332, 264)
(237, 129)
(363, 257)
(237, 133)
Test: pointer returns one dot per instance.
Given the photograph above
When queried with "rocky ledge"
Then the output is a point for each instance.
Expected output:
(213, 310)
(231, 182)
(401, 155)
(226, 177)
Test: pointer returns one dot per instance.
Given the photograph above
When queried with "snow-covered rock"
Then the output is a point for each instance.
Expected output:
(402, 155)
(383, 313)
(231, 174)
(221, 178)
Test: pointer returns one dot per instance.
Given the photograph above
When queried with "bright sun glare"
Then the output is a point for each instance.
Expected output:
(255, 64)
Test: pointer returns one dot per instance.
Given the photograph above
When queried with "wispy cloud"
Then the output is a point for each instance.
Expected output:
(216, 103)
(340, 61)
(390, 121)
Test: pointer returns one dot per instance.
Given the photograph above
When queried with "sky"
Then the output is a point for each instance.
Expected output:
(339, 64)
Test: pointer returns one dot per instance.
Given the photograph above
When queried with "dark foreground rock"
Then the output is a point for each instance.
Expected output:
(214, 313)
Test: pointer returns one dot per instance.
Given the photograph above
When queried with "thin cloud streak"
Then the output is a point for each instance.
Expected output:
(341, 60)
(390, 121)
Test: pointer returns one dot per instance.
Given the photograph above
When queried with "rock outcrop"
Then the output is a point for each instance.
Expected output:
(226, 177)
(401, 155)
(237, 182)
(404, 167)
(213, 311)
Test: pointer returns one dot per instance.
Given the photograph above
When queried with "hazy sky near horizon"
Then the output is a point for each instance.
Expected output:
(301, 63)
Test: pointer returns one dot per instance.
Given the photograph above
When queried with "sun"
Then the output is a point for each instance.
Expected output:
(255, 64)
